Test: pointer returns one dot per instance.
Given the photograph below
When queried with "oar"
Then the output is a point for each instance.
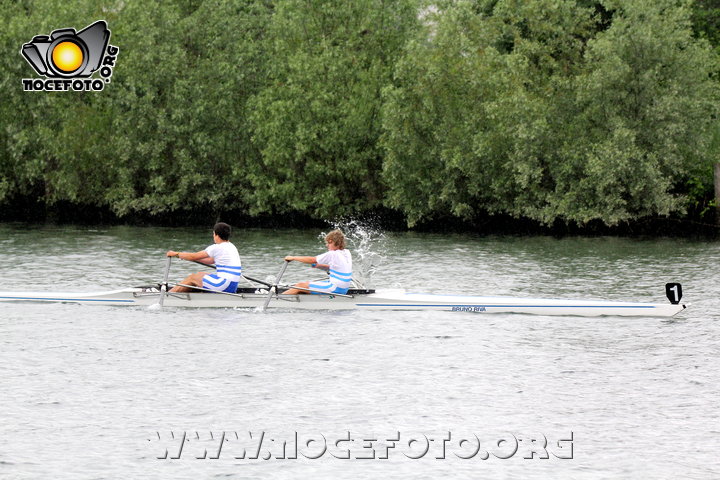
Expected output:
(316, 291)
(261, 282)
(164, 285)
(243, 296)
(273, 288)
(208, 290)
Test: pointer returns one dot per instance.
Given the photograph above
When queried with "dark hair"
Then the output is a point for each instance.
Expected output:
(222, 230)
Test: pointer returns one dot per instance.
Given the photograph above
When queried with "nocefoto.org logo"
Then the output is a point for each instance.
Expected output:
(67, 59)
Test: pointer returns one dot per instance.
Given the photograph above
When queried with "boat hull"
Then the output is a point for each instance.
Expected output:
(380, 300)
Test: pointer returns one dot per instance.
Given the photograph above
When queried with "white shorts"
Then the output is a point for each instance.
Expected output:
(327, 287)
(217, 283)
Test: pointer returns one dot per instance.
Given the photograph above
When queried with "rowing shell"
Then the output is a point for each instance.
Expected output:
(357, 300)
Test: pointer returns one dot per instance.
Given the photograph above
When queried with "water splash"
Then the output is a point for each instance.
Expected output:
(368, 245)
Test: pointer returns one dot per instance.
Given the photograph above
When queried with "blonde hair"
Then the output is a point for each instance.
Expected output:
(337, 238)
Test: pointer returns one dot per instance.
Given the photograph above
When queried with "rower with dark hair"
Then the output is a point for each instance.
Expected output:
(225, 257)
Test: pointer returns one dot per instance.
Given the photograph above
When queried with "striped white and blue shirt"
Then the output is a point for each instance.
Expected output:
(340, 262)
(227, 260)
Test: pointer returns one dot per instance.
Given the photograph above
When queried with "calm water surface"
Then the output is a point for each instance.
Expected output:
(91, 392)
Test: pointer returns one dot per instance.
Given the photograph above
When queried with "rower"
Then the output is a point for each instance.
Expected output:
(225, 257)
(337, 261)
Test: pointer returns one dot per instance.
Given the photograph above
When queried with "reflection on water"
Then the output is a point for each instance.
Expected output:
(84, 387)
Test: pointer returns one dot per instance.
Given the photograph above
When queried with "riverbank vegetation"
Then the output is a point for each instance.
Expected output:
(548, 112)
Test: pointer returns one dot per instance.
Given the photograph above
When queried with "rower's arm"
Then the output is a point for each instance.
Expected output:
(291, 258)
(207, 260)
(311, 260)
(201, 256)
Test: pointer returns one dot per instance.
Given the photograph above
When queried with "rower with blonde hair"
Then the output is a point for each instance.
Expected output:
(337, 261)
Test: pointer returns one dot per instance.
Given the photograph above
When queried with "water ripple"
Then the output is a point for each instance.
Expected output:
(92, 385)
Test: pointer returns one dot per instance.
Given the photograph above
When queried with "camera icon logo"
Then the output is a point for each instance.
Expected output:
(67, 54)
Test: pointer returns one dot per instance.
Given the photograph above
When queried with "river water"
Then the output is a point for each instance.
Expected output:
(93, 392)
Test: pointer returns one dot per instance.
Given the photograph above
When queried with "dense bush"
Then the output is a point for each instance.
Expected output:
(548, 110)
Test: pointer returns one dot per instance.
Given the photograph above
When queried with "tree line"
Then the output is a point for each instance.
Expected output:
(571, 111)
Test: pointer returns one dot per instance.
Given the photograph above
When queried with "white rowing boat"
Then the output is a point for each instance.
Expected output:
(361, 299)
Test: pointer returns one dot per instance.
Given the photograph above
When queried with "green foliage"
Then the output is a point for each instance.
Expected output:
(479, 103)
(317, 120)
(170, 132)
(528, 110)
(706, 20)
(648, 103)
(569, 110)
(185, 119)
(43, 134)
